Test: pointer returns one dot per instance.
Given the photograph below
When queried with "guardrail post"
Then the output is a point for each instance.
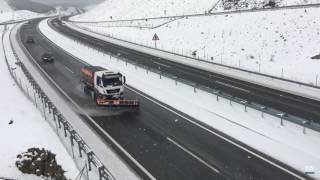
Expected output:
(50, 105)
(317, 80)
(244, 102)
(80, 146)
(55, 117)
(65, 128)
(35, 100)
(89, 156)
(59, 120)
(194, 87)
(282, 115)
(44, 109)
(263, 108)
(217, 94)
(72, 137)
(175, 80)
(304, 123)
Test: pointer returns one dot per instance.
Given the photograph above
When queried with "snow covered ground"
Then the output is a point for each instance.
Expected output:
(28, 128)
(262, 133)
(8, 15)
(257, 4)
(127, 9)
(279, 43)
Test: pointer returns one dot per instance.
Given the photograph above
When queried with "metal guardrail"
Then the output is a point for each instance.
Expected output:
(140, 24)
(62, 126)
(311, 124)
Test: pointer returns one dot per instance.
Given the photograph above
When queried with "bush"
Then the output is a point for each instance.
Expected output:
(40, 162)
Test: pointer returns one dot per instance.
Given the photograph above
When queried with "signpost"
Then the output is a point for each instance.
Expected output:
(155, 39)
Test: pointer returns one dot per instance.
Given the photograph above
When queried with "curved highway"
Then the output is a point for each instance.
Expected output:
(165, 142)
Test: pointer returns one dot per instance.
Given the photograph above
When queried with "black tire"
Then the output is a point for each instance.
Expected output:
(85, 89)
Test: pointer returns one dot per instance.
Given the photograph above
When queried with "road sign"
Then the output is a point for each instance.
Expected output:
(155, 37)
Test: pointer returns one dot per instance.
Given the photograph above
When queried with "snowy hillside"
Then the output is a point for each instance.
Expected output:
(256, 4)
(6, 14)
(4, 7)
(128, 9)
(5, 11)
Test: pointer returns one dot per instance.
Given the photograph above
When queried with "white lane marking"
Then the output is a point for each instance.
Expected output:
(122, 52)
(69, 69)
(194, 156)
(231, 86)
(162, 64)
(218, 135)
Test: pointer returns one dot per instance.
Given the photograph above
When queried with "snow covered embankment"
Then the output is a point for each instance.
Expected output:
(264, 134)
(21, 125)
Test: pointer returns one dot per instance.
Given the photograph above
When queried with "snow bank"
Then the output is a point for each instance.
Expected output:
(27, 129)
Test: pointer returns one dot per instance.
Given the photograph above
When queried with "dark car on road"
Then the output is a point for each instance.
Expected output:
(30, 39)
(47, 57)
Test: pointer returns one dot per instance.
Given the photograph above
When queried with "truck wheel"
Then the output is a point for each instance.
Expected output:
(85, 89)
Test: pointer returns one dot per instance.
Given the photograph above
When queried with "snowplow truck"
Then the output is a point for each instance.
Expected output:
(106, 87)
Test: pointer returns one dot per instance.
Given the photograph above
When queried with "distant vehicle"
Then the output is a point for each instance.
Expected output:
(106, 87)
(47, 57)
(30, 40)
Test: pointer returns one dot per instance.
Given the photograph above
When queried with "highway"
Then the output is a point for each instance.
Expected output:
(169, 144)
(282, 101)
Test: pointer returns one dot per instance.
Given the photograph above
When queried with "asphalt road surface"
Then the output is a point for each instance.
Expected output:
(165, 142)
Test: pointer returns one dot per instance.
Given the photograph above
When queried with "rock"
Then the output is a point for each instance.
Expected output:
(40, 162)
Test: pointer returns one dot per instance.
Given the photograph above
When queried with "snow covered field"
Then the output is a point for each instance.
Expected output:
(279, 43)
(21, 124)
(262, 133)
(127, 9)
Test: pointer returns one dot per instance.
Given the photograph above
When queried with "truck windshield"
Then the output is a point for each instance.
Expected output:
(112, 81)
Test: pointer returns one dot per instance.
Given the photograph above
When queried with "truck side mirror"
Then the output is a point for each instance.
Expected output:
(124, 80)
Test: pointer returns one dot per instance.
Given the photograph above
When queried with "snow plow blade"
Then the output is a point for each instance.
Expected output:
(118, 103)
